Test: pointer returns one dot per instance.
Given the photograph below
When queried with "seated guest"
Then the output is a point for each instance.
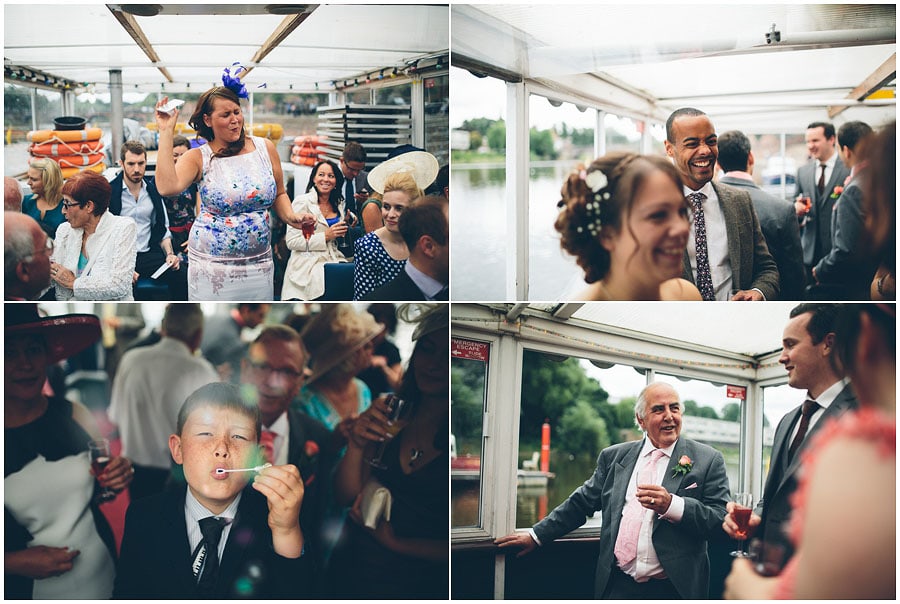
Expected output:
(880, 209)
(26, 257)
(380, 255)
(415, 464)
(777, 217)
(44, 204)
(12, 195)
(214, 538)
(95, 250)
(304, 277)
(850, 458)
(845, 273)
(426, 274)
(181, 208)
(135, 196)
(625, 219)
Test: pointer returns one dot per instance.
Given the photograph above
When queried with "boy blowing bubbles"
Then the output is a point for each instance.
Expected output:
(217, 430)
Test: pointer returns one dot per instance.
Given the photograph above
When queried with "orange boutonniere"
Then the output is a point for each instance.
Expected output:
(309, 463)
(684, 466)
(837, 192)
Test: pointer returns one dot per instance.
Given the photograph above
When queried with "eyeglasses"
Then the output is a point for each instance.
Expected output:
(288, 374)
(68, 205)
(46, 248)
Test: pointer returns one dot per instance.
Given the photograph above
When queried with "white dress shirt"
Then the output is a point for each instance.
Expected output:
(194, 512)
(829, 170)
(430, 287)
(716, 243)
(825, 399)
(142, 212)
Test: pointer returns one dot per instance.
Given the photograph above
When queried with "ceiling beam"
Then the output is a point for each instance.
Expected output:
(881, 76)
(134, 30)
(284, 29)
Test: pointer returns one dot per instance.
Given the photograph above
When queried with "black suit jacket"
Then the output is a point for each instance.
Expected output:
(778, 222)
(155, 559)
(775, 506)
(158, 229)
(401, 289)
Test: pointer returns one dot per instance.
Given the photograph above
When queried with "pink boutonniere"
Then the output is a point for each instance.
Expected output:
(837, 192)
(683, 467)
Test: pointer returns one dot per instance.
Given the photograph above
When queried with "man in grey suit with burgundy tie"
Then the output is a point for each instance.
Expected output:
(726, 256)
(808, 356)
(662, 498)
(817, 180)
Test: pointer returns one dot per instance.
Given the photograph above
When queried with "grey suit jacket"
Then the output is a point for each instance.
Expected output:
(681, 548)
(752, 266)
(844, 270)
(778, 222)
(775, 506)
(815, 234)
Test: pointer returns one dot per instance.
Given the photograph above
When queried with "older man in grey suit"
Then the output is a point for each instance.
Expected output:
(776, 216)
(726, 256)
(817, 180)
(662, 498)
(808, 356)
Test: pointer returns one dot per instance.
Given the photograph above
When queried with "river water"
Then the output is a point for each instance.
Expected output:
(479, 232)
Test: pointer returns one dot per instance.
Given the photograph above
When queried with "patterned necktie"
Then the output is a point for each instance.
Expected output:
(704, 275)
(821, 184)
(809, 407)
(206, 558)
(634, 512)
(267, 441)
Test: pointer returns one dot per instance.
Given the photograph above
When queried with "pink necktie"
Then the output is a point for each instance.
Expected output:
(630, 526)
(267, 440)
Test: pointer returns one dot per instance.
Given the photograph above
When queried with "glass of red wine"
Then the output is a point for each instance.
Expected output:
(100, 456)
(308, 227)
(398, 414)
(743, 508)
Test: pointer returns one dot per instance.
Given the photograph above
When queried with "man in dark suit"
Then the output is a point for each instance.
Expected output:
(809, 358)
(734, 260)
(656, 555)
(222, 345)
(136, 196)
(845, 272)
(275, 369)
(776, 216)
(425, 276)
(817, 180)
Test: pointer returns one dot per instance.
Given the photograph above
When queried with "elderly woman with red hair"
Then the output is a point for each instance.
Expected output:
(95, 250)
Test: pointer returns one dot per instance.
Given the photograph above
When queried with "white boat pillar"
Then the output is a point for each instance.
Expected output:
(518, 148)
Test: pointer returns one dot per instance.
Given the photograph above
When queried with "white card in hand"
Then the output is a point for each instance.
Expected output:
(171, 106)
(160, 271)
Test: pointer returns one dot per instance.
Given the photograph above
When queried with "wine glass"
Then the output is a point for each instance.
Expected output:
(308, 226)
(743, 508)
(768, 557)
(398, 414)
(98, 451)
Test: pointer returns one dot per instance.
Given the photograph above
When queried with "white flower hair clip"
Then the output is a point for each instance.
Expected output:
(596, 180)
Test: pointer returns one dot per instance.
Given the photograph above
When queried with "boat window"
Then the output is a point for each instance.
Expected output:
(469, 367)
(711, 414)
(394, 95)
(437, 117)
(777, 401)
(572, 408)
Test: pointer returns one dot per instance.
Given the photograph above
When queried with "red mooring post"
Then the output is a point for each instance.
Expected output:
(545, 446)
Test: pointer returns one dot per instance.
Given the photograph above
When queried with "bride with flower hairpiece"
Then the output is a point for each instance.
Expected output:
(240, 178)
(625, 219)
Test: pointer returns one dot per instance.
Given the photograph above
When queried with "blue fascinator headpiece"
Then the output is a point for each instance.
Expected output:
(234, 83)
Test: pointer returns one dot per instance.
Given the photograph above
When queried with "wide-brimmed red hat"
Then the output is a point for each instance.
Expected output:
(66, 335)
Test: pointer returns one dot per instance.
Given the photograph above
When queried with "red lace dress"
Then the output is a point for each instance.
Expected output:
(869, 425)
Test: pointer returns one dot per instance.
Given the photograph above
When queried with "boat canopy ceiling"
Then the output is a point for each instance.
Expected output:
(178, 47)
(760, 68)
(754, 331)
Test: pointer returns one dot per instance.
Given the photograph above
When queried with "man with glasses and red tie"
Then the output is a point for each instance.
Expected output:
(727, 257)
(808, 356)
(662, 498)
(272, 374)
(816, 181)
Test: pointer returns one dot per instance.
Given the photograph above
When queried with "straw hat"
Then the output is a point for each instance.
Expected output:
(335, 334)
(66, 335)
(426, 317)
(423, 166)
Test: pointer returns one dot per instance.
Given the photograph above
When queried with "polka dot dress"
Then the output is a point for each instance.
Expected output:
(374, 266)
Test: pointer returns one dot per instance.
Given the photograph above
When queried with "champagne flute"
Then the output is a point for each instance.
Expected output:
(308, 226)
(98, 451)
(743, 508)
(398, 414)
